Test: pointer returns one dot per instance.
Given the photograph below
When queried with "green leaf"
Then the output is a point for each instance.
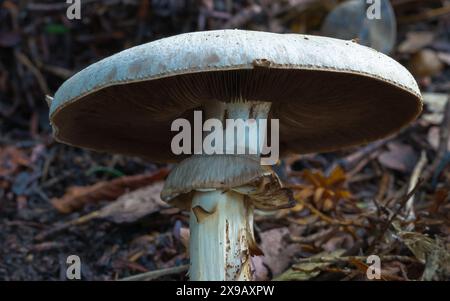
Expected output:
(56, 29)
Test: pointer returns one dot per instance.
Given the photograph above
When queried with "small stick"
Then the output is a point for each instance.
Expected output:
(400, 258)
(313, 237)
(63, 226)
(389, 222)
(426, 15)
(24, 60)
(385, 184)
(410, 215)
(157, 274)
(443, 144)
(243, 17)
(353, 159)
(329, 219)
(361, 164)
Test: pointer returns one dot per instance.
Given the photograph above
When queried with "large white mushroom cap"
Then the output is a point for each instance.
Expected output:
(327, 93)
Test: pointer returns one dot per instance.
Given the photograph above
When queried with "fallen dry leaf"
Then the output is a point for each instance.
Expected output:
(426, 63)
(343, 241)
(435, 104)
(416, 41)
(324, 191)
(444, 57)
(399, 156)
(277, 251)
(437, 267)
(439, 198)
(76, 196)
(259, 269)
(434, 137)
(134, 205)
(419, 244)
(430, 251)
(306, 271)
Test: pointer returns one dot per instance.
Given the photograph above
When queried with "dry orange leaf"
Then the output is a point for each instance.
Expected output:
(337, 176)
(76, 196)
(324, 191)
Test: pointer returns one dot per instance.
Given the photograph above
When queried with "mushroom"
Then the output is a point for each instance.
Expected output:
(326, 93)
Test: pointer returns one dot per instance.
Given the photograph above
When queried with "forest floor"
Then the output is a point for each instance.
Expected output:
(57, 200)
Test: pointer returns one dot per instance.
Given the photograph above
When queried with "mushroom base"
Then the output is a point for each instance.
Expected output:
(221, 240)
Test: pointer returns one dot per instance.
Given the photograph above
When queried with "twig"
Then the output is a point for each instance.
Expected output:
(362, 178)
(400, 258)
(157, 274)
(330, 220)
(361, 164)
(58, 71)
(244, 16)
(22, 58)
(430, 14)
(295, 6)
(353, 159)
(383, 188)
(443, 145)
(394, 215)
(63, 226)
(410, 215)
(313, 237)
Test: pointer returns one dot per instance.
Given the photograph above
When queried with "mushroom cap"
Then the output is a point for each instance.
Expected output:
(327, 93)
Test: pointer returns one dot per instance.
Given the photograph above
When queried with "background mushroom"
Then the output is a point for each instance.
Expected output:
(326, 93)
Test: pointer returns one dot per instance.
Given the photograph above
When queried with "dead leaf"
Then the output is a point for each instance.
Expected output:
(435, 104)
(259, 269)
(426, 63)
(343, 241)
(430, 251)
(306, 271)
(415, 41)
(323, 191)
(399, 156)
(134, 205)
(444, 57)
(76, 196)
(361, 266)
(439, 199)
(419, 244)
(277, 251)
(437, 267)
(434, 137)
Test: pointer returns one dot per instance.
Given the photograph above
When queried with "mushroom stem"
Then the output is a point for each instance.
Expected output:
(221, 221)
(220, 236)
(244, 125)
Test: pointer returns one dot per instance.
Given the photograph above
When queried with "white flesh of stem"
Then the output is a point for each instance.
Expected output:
(221, 223)
(218, 246)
